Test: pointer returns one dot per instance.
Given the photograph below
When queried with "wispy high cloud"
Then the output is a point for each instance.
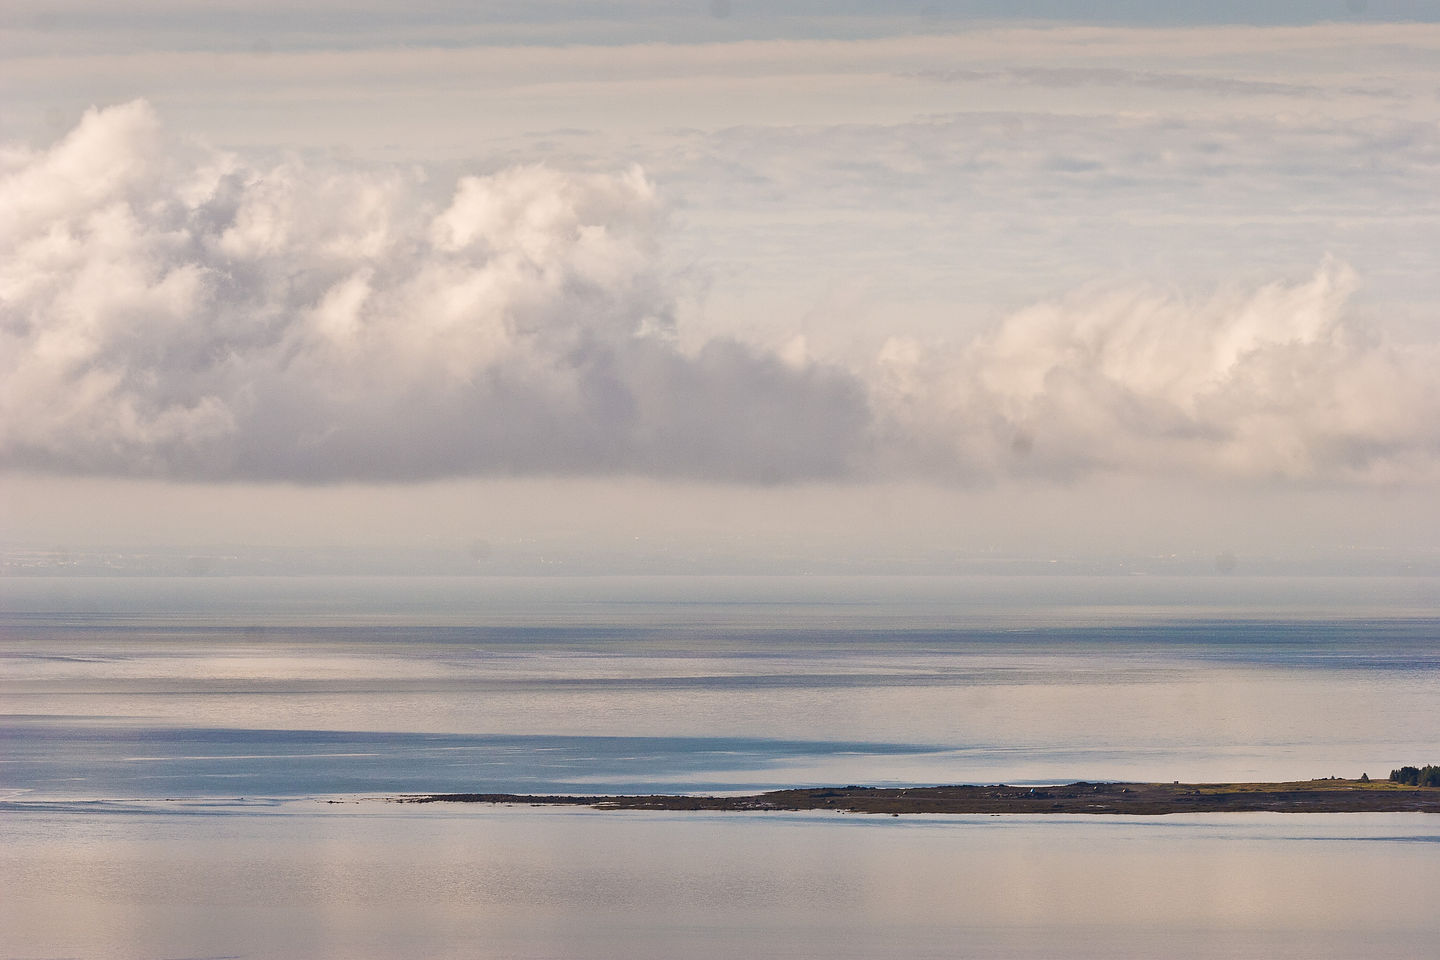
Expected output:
(1218, 85)
(170, 310)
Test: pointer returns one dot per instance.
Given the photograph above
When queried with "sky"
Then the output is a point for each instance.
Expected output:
(719, 286)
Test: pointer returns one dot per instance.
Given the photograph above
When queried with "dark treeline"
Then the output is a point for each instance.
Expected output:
(1426, 776)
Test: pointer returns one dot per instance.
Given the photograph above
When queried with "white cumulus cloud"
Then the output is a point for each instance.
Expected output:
(174, 311)
(170, 311)
(1283, 381)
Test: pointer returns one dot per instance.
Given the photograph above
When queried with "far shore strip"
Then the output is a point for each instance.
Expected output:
(1139, 799)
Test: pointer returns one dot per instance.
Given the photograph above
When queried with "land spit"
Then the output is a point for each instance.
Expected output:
(1138, 799)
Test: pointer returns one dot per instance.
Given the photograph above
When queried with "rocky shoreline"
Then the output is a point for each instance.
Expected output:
(1140, 799)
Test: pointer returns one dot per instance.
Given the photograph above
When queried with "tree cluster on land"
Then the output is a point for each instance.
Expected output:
(1426, 776)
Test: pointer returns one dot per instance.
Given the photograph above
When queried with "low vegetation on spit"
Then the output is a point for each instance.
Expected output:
(1405, 792)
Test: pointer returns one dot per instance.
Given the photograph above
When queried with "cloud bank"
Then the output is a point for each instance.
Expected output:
(1277, 382)
(177, 313)
(172, 311)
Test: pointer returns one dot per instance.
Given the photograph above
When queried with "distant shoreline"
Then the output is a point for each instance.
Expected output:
(1135, 799)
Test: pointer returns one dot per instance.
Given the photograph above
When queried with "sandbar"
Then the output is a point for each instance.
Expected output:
(1138, 799)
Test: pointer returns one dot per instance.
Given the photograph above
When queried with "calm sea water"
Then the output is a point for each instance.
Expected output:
(169, 751)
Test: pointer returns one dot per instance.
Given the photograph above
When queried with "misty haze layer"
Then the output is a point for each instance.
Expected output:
(169, 310)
